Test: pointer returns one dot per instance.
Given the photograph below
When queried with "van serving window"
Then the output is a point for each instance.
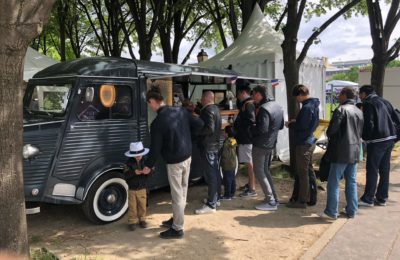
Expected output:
(108, 102)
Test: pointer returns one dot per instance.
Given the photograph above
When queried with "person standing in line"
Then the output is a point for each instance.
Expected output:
(344, 133)
(209, 140)
(171, 140)
(244, 120)
(269, 120)
(137, 183)
(228, 164)
(304, 126)
(380, 132)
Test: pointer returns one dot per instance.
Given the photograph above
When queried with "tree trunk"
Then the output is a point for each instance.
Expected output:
(20, 25)
(380, 34)
(291, 73)
(378, 73)
(12, 214)
(247, 7)
(61, 9)
(165, 39)
(233, 20)
(291, 68)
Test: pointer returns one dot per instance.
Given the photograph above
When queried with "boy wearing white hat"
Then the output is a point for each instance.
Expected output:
(137, 182)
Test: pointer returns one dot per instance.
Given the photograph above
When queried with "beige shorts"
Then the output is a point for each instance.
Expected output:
(244, 153)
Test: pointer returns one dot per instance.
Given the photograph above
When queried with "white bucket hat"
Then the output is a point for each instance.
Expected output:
(136, 149)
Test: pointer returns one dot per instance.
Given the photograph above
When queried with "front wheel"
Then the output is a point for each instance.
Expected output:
(107, 200)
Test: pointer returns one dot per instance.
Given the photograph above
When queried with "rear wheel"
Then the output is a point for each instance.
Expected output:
(107, 200)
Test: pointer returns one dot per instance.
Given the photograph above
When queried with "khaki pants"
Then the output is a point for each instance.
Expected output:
(137, 206)
(178, 177)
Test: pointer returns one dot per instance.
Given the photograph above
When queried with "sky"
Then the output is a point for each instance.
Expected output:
(344, 40)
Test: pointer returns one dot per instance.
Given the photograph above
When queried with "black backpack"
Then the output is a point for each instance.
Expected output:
(397, 112)
(312, 186)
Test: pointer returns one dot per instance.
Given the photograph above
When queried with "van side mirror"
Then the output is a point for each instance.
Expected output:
(89, 94)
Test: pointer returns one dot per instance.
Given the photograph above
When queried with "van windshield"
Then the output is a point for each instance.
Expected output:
(50, 100)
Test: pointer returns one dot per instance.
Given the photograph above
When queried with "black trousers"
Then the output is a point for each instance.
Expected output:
(378, 164)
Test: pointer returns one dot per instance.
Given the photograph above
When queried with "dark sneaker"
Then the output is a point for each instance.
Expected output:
(244, 187)
(143, 224)
(167, 223)
(225, 198)
(362, 203)
(218, 203)
(248, 194)
(171, 234)
(132, 227)
(344, 213)
(296, 205)
(380, 203)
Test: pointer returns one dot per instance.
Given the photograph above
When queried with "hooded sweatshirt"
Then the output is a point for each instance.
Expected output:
(306, 122)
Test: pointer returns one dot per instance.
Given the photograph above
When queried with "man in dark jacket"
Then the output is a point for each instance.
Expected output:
(171, 139)
(379, 133)
(244, 120)
(269, 120)
(304, 126)
(344, 133)
(209, 140)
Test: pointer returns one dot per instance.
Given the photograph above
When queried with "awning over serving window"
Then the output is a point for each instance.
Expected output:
(203, 77)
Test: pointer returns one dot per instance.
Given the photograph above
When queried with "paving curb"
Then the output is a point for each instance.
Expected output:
(322, 241)
(319, 245)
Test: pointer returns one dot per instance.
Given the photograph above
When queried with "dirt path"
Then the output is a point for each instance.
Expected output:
(236, 231)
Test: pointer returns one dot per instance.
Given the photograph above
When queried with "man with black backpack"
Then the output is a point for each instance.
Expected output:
(381, 126)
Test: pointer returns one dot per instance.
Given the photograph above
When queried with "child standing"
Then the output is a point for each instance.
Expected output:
(228, 164)
(137, 182)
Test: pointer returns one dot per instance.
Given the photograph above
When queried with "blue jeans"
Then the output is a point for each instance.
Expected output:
(229, 183)
(378, 163)
(336, 172)
(212, 176)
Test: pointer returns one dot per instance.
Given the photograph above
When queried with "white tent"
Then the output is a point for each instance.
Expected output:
(35, 62)
(334, 84)
(257, 52)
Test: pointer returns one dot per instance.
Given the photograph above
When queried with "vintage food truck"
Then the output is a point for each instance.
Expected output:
(81, 115)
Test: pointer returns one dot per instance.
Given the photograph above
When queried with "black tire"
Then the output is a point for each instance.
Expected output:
(107, 200)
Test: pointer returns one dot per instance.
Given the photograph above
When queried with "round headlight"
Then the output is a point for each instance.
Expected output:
(29, 151)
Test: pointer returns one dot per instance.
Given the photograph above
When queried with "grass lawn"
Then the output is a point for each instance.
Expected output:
(328, 109)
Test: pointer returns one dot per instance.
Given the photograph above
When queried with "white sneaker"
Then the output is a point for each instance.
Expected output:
(323, 215)
(266, 207)
(205, 210)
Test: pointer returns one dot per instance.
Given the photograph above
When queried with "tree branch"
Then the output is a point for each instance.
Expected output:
(195, 42)
(391, 52)
(316, 33)
(300, 13)
(283, 15)
(88, 15)
(392, 17)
